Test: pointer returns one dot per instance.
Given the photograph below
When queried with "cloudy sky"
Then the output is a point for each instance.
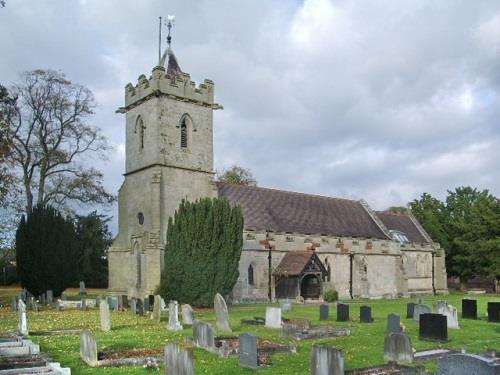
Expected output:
(381, 100)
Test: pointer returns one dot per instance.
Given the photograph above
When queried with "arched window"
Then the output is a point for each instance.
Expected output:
(329, 273)
(250, 275)
(184, 133)
(140, 128)
(137, 252)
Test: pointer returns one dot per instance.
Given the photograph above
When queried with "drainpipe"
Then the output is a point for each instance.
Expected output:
(433, 285)
(269, 270)
(351, 261)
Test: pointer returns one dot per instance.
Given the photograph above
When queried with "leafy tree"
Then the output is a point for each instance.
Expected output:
(204, 242)
(46, 251)
(50, 139)
(238, 175)
(93, 239)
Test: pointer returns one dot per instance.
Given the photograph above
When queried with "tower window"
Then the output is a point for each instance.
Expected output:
(184, 133)
(250, 275)
(139, 127)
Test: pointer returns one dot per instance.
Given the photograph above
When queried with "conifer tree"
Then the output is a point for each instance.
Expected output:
(204, 242)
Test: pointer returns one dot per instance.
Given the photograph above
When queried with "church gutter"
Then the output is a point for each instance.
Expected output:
(351, 261)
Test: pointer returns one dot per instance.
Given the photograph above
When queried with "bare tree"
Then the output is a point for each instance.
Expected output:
(50, 138)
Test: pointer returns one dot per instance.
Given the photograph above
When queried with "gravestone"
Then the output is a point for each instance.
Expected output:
(203, 335)
(326, 361)
(178, 361)
(221, 314)
(273, 317)
(23, 319)
(42, 299)
(451, 315)
(83, 304)
(50, 297)
(113, 303)
(133, 306)
(187, 314)
(156, 315)
(140, 307)
(289, 330)
(119, 300)
(469, 309)
(420, 301)
(409, 309)
(467, 364)
(494, 312)
(437, 305)
(286, 305)
(249, 357)
(88, 348)
(397, 348)
(105, 316)
(151, 300)
(365, 314)
(393, 323)
(342, 312)
(82, 288)
(324, 312)
(173, 317)
(98, 301)
(146, 305)
(124, 301)
(433, 327)
(420, 309)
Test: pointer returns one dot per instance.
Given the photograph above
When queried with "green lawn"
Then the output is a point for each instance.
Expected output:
(363, 348)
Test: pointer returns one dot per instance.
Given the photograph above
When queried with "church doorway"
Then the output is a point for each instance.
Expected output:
(310, 287)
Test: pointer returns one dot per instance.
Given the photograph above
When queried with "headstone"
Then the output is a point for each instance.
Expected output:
(140, 307)
(420, 309)
(286, 305)
(437, 305)
(397, 348)
(393, 323)
(23, 319)
(187, 314)
(88, 348)
(156, 315)
(324, 312)
(342, 312)
(289, 330)
(433, 327)
(467, 364)
(83, 304)
(146, 306)
(273, 317)
(98, 300)
(119, 300)
(173, 317)
(133, 306)
(469, 309)
(113, 303)
(42, 299)
(451, 315)
(203, 335)
(50, 297)
(326, 361)
(221, 314)
(82, 288)
(105, 316)
(151, 300)
(248, 351)
(365, 314)
(494, 312)
(124, 301)
(178, 361)
(163, 305)
(409, 309)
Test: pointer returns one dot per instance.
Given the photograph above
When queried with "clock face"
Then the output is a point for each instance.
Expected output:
(140, 217)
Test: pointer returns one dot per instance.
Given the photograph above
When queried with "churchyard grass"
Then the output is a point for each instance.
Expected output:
(362, 349)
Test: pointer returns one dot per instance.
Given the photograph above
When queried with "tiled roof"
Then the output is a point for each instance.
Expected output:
(278, 210)
(173, 68)
(295, 262)
(402, 223)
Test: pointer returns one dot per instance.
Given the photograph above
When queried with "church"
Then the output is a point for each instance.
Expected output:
(295, 245)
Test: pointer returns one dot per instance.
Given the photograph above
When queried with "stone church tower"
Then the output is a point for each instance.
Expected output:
(169, 157)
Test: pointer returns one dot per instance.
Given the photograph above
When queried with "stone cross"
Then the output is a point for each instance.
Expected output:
(397, 348)
(221, 314)
(105, 316)
(88, 348)
(326, 361)
(273, 317)
(187, 314)
(173, 317)
(178, 361)
(23, 319)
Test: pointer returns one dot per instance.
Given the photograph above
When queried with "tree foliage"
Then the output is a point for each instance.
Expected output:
(204, 242)
(467, 225)
(238, 175)
(50, 140)
(46, 251)
(93, 239)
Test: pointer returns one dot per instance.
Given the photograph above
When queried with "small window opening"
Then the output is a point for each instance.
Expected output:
(250, 275)
(184, 135)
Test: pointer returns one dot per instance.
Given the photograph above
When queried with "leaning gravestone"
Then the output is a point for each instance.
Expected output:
(221, 314)
(451, 315)
(133, 306)
(82, 288)
(156, 315)
(187, 314)
(410, 307)
(397, 348)
(393, 323)
(365, 314)
(494, 312)
(342, 312)
(326, 361)
(50, 297)
(178, 361)
(433, 327)
(173, 317)
(420, 309)
(23, 319)
(105, 316)
(467, 364)
(273, 317)
(88, 348)
(249, 356)
(203, 335)
(324, 312)
(469, 309)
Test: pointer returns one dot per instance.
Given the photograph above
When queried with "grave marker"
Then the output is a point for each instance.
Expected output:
(433, 327)
(467, 364)
(178, 361)
(342, 312)
(393, 323)
(156, 315)
(494, 312)
(82, 288)
(397, 348)
(326, 361)
(88, 347)
(173, 317)
(273, 317)
(221, 314)
(203, 335)
(451, 315)
(365, 314)
(286, 305)
(50, 297)
(420, 309)
(133, 306)
(23, 319)
(187, 314)
(324, 312)
(105, 316)
(249, 357)
(409, 309)
(469, 309)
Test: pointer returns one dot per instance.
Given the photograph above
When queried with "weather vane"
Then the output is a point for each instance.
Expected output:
(169, 23)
